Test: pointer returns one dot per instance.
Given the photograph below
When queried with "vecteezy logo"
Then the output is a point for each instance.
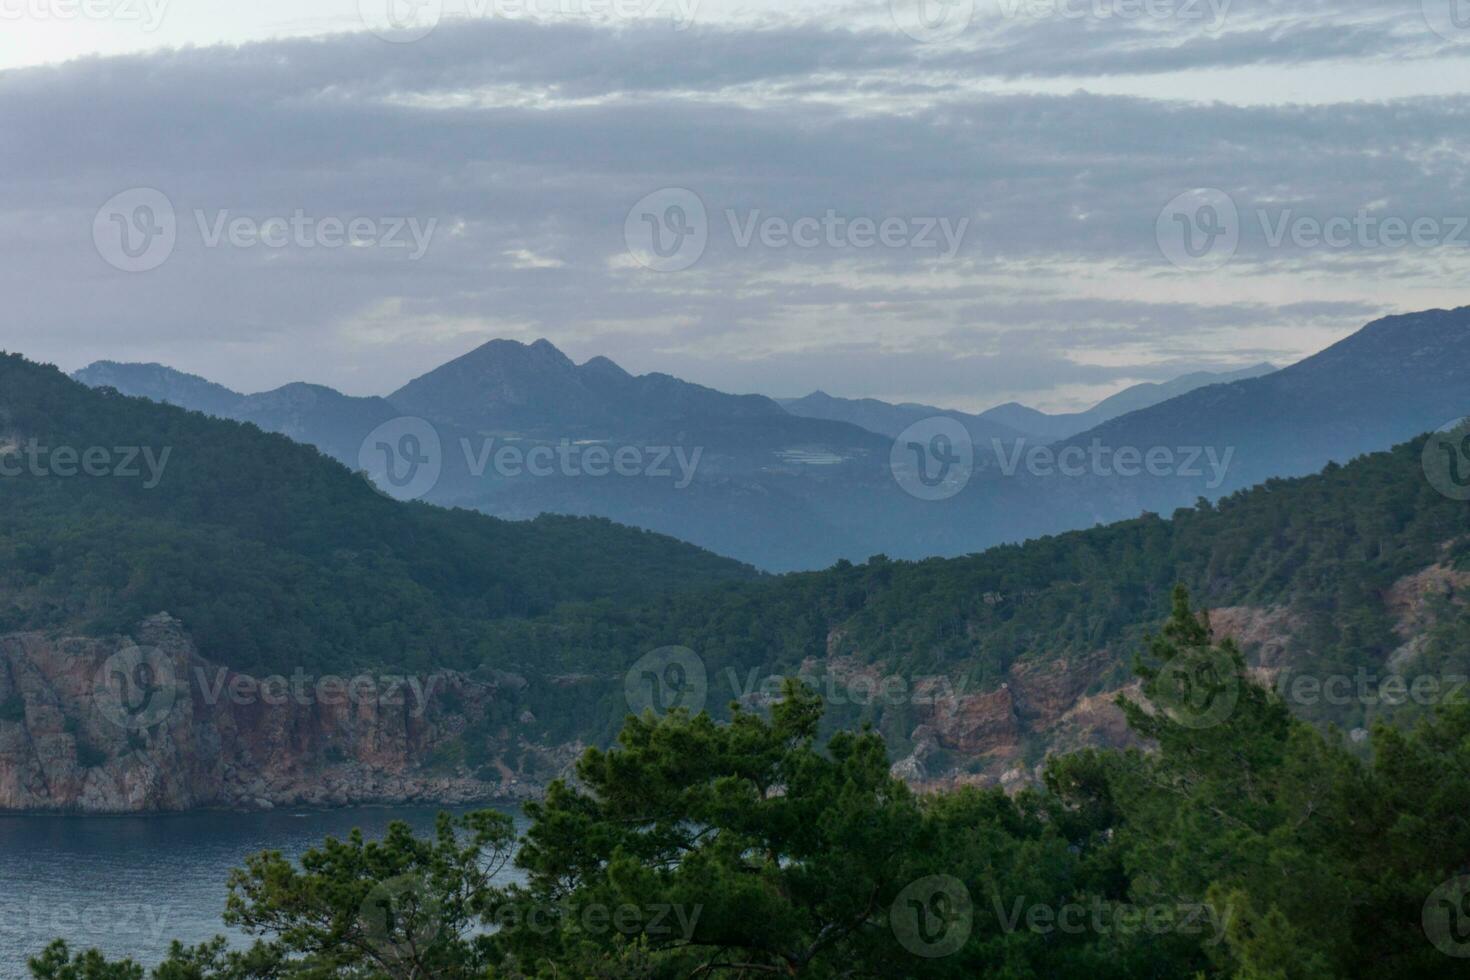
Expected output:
(666, 231)
(932, 20)
(933, 459)
(933, 916)
(1198, 688)
(401, 21)
(1450, 19)
(665, 679)
(400, 915)
(136, 230)
(1199, 230)
(1446, 459)
(1446, 917)
(402, 457)
(136, 687)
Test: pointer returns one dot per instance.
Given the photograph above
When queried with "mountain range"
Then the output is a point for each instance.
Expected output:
(253, 553)
(1012, 420)
(815, 481)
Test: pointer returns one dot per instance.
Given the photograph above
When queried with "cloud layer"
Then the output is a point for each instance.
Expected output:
(871, 214)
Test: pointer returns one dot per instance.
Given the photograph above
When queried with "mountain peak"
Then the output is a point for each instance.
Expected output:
(503, 348)
(605, 366)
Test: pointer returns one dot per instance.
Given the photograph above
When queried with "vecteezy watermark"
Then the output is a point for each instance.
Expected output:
(1207, 14)
(1097, 459)
(928, 21)
(42, 921)
(1369, 688)
(304, 231)
(669, 229)
(944, 20)
(401, 21)
(933, 459)
(860, 689)
(1197, 688)
(658, 920)
(1446, 917)
(1450, 19)
(220, 685)
(147, 14)
(137, 230)
(932, 917)
(404, 21)
(31, 458)
(665, 679)
(404, 458)
(1446, 459)
(677, 677)
(136, 688)
(139, 687)
(1201, 230)
(400, 915)
(1100, 917)
(583, 459)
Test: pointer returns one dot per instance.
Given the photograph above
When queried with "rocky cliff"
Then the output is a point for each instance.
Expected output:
(143, 722)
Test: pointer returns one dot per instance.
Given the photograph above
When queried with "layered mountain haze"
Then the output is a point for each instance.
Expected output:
(253, 554)
(1042, 426)
(1397, 377)
(1012, 420)
(320, 416)
(530, 389)
(733, 473)
(891, 419)
(803, 485)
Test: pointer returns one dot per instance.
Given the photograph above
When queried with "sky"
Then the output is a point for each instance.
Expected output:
(958, 202)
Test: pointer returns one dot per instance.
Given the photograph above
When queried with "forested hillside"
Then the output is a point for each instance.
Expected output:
(273, 556)
(269, 552)
(1316, 559)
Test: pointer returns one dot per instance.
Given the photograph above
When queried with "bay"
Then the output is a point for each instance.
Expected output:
(129, 884)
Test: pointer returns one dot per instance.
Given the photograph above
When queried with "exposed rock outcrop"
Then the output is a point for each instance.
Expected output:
(145, 723)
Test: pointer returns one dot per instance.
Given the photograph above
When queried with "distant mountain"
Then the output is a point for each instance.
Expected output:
(161, 384)
(508, 386)
(1040, 425)
(272, 555)
(323, 417)
(764, 485)
(269, 557)
(889, 419)
(785, 491)
(1360, 571)
(1012, 420)
(1392, 380)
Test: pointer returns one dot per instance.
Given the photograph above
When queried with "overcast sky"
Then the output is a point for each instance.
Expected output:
(937, 200)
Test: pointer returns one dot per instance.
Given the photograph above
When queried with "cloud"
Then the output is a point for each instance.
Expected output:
(524, 145)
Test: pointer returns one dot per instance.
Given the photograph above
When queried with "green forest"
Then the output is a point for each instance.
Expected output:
(1247, 845)
(275, 557)
(272, 553)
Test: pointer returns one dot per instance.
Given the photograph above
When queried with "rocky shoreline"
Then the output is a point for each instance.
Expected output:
(143, 723)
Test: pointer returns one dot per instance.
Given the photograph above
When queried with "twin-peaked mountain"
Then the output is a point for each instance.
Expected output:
(507, 386)
(804, 485)
(733, 473)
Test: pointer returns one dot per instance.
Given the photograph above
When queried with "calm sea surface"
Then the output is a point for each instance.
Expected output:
(128, 885)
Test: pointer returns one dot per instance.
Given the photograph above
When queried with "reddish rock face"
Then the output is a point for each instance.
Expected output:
(198, 735)
(977, 724)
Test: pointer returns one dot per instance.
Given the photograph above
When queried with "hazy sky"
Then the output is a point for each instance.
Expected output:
(939, 200)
